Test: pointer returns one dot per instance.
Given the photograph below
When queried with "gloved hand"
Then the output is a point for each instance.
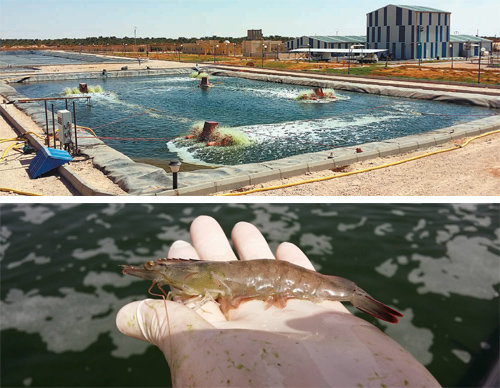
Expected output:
(303, 344)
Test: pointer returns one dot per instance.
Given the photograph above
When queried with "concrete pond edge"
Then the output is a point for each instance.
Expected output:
(144, 179)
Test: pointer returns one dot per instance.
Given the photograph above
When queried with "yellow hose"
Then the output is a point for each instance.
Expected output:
(36, 134)
(456, 147)
(6, 189)
(8, 148)
(88, 129)
(11, 139)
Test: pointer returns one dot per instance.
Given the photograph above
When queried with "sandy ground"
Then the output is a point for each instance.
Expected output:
(470, 171)
(14, 167)
(92, 67)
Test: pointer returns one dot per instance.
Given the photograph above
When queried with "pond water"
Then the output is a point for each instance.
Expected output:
(267, 114)
(61, 285)
(46, 57)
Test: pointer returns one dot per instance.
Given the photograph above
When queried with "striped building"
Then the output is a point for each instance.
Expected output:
(327, 42)
(409, 32)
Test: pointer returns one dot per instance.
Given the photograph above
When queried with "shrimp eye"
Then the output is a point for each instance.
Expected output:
(149, 264)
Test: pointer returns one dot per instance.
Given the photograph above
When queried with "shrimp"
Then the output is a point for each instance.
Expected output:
(230, 283)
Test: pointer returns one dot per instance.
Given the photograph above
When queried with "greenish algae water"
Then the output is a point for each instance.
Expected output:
(61, 284)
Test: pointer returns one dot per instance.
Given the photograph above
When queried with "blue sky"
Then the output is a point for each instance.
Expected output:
(196, 18)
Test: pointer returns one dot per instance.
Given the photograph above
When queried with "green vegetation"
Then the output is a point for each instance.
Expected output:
(113, 40)
(364, 70)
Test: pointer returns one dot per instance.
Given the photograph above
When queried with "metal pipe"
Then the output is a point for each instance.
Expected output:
(76, 136)
(53, 126)
(174, 181)
(50, 98)
(479, 65)
(46, 124)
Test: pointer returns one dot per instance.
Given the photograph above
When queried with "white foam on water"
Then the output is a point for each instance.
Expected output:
(470, 268)
(383, 229)
(108, 247)
(315, 130)
(186, 150)
(462, 355)
(35, 215)
(341, 227)
(316, 244)
(278, 222)
(418, 340)
(110, 99)
(285, 92)
(72, 321)
(5, 234)
(388, 268)
(28, 259)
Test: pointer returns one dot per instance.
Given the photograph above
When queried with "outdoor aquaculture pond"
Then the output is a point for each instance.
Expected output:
(20, 58)
(266, 120)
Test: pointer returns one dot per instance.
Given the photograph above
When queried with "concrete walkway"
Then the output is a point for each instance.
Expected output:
(403, 83)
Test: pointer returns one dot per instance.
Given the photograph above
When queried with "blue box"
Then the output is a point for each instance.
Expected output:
(47, 159)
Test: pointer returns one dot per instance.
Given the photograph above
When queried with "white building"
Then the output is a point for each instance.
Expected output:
(327, 42)
(468, 45)
(409, 32)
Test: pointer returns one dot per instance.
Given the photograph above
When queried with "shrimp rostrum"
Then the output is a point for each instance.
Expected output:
(230, 283)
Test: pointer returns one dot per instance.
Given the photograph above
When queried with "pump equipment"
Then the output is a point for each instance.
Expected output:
(64, 125)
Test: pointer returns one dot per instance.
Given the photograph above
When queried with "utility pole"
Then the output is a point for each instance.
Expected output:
(135, 39)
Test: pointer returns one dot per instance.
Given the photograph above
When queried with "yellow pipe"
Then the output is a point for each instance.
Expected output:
(36, 134)
(88, 129)
(7, 149)
(364, 170)
(6, 189)
(11, 139)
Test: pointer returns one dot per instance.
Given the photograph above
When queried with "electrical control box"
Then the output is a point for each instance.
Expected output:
(65, 126)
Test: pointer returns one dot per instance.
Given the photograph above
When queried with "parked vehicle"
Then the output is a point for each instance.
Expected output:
(368, 58)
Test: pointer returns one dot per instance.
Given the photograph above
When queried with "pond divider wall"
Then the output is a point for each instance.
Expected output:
(144, 179)
(372, 88)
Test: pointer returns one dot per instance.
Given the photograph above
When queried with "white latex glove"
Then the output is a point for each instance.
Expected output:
(303, 344)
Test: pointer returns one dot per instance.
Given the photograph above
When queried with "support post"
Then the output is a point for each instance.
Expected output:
(76, 136)
(46, 124)
(54, 126)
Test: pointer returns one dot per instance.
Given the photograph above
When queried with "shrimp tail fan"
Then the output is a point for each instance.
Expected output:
(364, 302)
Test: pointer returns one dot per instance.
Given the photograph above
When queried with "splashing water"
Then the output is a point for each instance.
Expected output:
(91, 90)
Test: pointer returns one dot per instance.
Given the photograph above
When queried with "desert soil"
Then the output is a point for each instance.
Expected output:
(14, 167)
(472, 171)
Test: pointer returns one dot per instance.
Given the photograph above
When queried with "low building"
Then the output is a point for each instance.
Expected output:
(207, 47)
(327, 42)
(257, 48)
(468, 45)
